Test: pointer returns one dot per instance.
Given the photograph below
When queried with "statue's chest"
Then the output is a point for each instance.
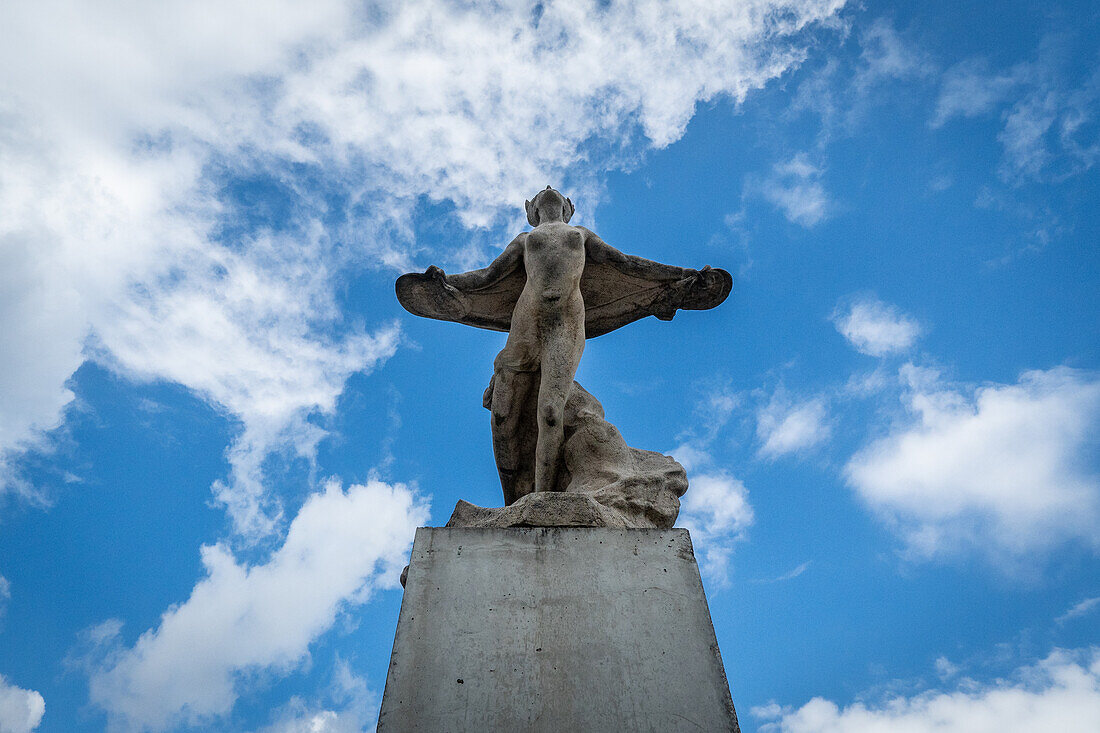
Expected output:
(566, 243)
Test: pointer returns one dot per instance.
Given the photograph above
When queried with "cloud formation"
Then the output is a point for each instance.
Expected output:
(126, 129)
(20, 710)
(112, 237)
(1062, 692)
(358, 708)
(241, 619)
(1005, 470)
(1049, 118)
(716, 509)
(794, 187)
(875, 328)
(1079, 610)
(842, 92)
(717, 512)
(785, 426)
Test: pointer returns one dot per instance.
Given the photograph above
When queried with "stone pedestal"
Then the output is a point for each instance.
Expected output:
(555, 629)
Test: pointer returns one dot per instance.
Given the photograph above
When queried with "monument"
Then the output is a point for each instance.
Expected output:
(575, 606)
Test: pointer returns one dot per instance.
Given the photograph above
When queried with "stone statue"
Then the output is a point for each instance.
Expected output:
(550, 289)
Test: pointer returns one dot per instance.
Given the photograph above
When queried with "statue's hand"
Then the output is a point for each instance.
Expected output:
(696, 275)
(437, 274)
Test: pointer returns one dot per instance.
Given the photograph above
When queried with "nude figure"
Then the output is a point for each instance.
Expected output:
(546, 339)
(536, 290)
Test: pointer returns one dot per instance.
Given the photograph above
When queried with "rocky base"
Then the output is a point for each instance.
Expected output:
(603, 482)
(544, 509)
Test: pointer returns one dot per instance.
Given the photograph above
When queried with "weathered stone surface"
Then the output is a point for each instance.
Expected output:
(604, 482)
(540, 629)
(643, 486)
(552, 288)
(544, 509)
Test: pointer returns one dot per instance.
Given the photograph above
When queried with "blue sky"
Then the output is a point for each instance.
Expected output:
(218, 429)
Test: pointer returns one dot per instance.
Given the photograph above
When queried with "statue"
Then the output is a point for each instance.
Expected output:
(551, 289)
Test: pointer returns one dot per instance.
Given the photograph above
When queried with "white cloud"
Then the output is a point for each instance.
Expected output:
(716, 511)
(1007, 470)
(692, 456)
(358, 708)
(1060, 693)
(241, 619)
(297, 718)
(887, 57)
(785, 426)
(716, 508)
(794, 187)
(109, 251)
(1084, 608)
(876, 328)
(792, 574)
(118, 121)
(244, 338)
(945, 668)
(20, 710)
(491, 102)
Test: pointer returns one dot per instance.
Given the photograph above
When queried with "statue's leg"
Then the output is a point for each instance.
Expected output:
(561, 355)
(513, 425)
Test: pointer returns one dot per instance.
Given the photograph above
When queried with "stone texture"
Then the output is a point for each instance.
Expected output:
(551, 629)
(642, 486)
(604, 482)
(551, 289)
(544, 509)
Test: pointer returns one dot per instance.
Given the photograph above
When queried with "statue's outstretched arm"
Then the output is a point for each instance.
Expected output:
(509, 260)
(599, 251)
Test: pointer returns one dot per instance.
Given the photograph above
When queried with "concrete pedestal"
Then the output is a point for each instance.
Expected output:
(548, 629)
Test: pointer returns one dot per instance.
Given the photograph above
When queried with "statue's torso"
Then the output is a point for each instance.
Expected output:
(553, 257)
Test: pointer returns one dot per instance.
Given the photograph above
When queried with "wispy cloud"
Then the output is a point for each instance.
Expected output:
(358, 708)
(789, 575)
(1049, 129)
(5, 595)
(1079, 610)
(945, 668)
(716, 508)
(970, 89)
(787, 426)
(794, 187)
(841, 92)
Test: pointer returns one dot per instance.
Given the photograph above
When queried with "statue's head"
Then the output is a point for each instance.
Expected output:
(548, 205)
